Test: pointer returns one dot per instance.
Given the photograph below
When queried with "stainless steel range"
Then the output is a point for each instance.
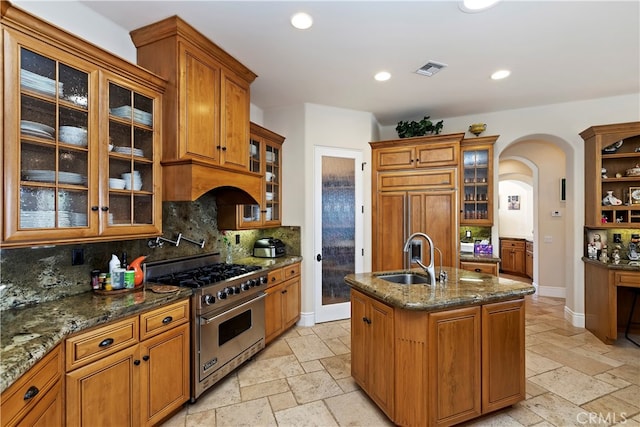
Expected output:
(227, 310)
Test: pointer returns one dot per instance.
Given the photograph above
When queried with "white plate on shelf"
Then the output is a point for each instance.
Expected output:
(35, 126)
(128, 150)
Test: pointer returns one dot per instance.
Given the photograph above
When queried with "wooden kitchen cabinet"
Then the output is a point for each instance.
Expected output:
(207, 113)
(528, 263)
(455, 375)
(372, 355)
(503, 354)
(36, 398)
(476, 181)
(415, 153)
(65, 102)
(455, 364)
(282, 303)
(480, 267)
(616, 179)
(265, 158)
(414, 189)
(145, 361)
(401, 213)
(512, 255)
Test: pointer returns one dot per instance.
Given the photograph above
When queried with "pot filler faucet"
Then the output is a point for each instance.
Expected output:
(429, 269)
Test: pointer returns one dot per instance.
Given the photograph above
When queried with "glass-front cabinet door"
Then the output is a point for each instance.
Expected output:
(132, 199)
(265, 157)
(78, 148)
(49, 176)
(476, 181)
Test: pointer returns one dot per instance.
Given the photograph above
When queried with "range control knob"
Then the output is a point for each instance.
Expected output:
(236, 289)
(229, 291)
(209, 299)
(263, 280)
(222, 294)
(253, 282)
(246, 286)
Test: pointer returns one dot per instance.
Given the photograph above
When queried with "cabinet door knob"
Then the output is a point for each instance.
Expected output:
(104, 208)
(136, 362)
(94, 208)
(145, 357)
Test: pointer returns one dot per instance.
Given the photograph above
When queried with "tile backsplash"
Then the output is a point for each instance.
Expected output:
(32, 275)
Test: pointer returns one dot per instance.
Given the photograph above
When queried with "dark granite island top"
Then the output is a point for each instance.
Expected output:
(463, 288)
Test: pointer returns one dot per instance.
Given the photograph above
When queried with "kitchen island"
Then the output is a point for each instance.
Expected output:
(438, 355)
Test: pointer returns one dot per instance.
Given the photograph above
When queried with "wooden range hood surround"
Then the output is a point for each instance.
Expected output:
(206, 114)
(187, 180)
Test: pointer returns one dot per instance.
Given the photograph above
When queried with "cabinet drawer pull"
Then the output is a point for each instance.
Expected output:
(284, 292)
(367, 321)
(167, 320)
(106, 342)
(273, 279)
(31, 393)
(477, 270)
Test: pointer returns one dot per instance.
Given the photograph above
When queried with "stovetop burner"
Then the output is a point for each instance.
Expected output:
(205, 275)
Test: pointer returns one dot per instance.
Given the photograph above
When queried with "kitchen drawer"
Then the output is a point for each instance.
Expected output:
(627, 278)
(480, 267)
(163, 319)
(529, 246)
(95, 344)
(275, 276)
(514, 244)
(291, 271)
(39, 379)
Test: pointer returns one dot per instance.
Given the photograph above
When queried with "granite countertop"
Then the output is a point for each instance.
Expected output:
(28, 333)
(624, 264)
(463, 288)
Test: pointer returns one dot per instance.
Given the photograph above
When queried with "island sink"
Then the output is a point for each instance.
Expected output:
(405, 278)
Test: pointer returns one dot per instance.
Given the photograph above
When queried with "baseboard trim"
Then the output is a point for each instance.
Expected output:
(552, 291)
(307, 319)
(576, 319)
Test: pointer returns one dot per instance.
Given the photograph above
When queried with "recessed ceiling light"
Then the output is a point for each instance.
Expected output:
(302, 21)
(500, 74)
(474, 6)
(382, 76)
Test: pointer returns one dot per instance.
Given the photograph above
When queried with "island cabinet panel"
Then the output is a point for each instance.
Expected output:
(454, 365)
(503, 355)
(372, 352)
(412, 361)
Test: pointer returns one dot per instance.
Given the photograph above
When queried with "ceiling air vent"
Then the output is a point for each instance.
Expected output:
(430, 68)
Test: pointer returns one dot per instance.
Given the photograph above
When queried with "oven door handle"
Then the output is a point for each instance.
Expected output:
(208, 320)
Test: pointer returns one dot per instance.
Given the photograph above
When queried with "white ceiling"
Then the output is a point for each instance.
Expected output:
(557, 51)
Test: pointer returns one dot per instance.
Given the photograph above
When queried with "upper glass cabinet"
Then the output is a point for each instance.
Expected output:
(476, 181)
(79, 138)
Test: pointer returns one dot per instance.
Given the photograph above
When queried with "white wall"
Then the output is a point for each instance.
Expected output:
(306, 127)
(515, 223)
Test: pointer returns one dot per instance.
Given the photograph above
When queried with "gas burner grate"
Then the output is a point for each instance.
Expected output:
(206, 275)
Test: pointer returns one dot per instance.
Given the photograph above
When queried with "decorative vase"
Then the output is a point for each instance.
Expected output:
(477, 128)
(139, 274)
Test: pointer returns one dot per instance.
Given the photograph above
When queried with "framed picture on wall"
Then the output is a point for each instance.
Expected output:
(513, 203)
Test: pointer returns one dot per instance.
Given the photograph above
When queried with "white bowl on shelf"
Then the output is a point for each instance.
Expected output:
(117, 183)
(269, 176)
(269, 196)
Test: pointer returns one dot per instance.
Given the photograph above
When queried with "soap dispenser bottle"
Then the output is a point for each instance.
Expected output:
(113, 264)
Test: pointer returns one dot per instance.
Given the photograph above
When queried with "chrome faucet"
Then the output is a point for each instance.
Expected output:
(429, 269)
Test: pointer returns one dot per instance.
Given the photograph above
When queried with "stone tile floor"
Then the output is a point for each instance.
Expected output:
(303, 379)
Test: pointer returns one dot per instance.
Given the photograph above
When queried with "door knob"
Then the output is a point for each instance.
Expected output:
(319, 257)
